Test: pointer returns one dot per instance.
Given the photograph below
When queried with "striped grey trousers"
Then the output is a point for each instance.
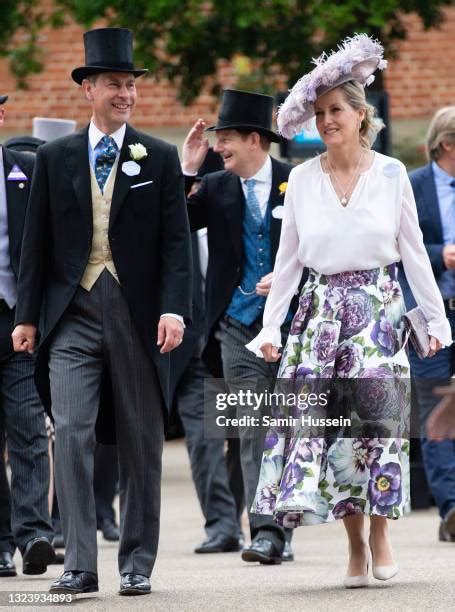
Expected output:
(97, 332)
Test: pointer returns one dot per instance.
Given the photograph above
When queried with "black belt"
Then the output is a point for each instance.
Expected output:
(4, 306)
(450, 303)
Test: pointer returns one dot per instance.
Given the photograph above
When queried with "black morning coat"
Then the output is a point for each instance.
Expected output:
(148, 235)
(219, 205)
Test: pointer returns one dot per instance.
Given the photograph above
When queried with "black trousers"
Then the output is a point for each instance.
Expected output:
(24, 512)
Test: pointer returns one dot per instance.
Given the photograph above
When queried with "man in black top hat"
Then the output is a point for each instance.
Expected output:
(241, 207)
(24, 512)
(106, 272)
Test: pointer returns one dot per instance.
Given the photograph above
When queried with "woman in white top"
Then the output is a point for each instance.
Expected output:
(349, 215)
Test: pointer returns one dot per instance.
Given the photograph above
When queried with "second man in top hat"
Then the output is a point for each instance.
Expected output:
(242, 210)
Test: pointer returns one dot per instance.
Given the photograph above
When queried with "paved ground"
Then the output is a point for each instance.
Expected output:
(185, 582)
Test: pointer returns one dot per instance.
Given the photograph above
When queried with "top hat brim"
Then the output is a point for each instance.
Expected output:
(246, 126)
(81, 73)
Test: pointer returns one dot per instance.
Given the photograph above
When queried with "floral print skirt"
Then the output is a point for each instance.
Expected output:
(348, 326)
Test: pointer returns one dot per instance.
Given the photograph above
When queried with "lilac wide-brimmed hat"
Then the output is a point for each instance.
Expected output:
(357, 59)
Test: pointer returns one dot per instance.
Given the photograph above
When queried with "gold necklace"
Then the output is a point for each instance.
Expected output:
(345, 192)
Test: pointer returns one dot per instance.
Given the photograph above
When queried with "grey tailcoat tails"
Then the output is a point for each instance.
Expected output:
(148, 235)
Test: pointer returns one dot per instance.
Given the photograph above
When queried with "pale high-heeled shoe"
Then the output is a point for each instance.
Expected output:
(356, 582)
(383, 572)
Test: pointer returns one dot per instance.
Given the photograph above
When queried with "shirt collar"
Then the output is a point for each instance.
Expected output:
(441, 174)
(264, 174)
(95, 135)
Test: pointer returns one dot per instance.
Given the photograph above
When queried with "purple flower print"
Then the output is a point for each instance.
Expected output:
(292, 475)
(384, 335)
(270, 440)
(384, 488)
(347, 507)
(324, 343)
(356, 313)
(301, 316)
(349, 359)
(379, 394)
(354, 279)
(265, 501)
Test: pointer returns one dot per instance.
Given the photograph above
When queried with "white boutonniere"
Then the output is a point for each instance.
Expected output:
(137, 151)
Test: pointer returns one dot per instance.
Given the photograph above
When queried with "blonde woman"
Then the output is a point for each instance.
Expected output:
(349, 215)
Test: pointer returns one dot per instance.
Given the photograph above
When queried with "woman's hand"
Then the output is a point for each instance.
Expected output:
(435, 346)
(270, 352)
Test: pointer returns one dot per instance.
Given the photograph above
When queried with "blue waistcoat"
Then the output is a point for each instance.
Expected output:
(257, 261)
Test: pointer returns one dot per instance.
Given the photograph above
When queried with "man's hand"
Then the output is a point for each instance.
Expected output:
(448, 256)
(170, 334)
(441, 422)
(195, 148)
(271, 353)
(24, 337)
(263, 286)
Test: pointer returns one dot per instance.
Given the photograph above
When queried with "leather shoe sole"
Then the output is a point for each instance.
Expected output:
(8, 573)
(134, 591)
(37, 557)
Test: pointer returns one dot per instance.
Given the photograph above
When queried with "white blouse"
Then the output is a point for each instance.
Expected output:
(379, 226)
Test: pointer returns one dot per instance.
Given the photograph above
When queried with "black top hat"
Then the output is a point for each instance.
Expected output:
(107, 50)
(3, 99)
(212, 163)
(244, 110)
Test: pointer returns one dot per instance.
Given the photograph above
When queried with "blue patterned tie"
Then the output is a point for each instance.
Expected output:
(106, 153)
(252, 201)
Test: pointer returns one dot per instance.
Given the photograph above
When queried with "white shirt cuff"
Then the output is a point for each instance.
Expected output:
(174, 316)
(267, 334)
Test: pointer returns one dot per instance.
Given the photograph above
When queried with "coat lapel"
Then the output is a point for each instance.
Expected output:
(123, 182)
(233, 201)
(79, 170)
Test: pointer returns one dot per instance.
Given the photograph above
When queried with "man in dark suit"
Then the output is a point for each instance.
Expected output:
(24, 513)
(106, 272)
(241, 207)
(434, 191)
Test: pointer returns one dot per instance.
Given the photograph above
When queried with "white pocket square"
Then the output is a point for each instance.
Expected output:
(277, 212)
(140, 184)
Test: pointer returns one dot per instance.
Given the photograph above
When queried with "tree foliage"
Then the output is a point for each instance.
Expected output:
(183, 40)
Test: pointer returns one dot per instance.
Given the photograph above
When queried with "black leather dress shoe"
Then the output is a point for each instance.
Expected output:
(7, 567)
(218, 544)
(134, 584)
(59, 559)
(288, 553)
(262, 550)
(110, 530)
(75, 582)
(38, 554)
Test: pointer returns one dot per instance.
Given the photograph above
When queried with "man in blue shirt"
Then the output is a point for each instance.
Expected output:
(434, 191)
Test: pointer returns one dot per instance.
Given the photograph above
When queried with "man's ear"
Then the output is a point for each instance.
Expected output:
(2, 115)
(87, 87)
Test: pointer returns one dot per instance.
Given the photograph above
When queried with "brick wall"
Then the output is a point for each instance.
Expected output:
(419, 81)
